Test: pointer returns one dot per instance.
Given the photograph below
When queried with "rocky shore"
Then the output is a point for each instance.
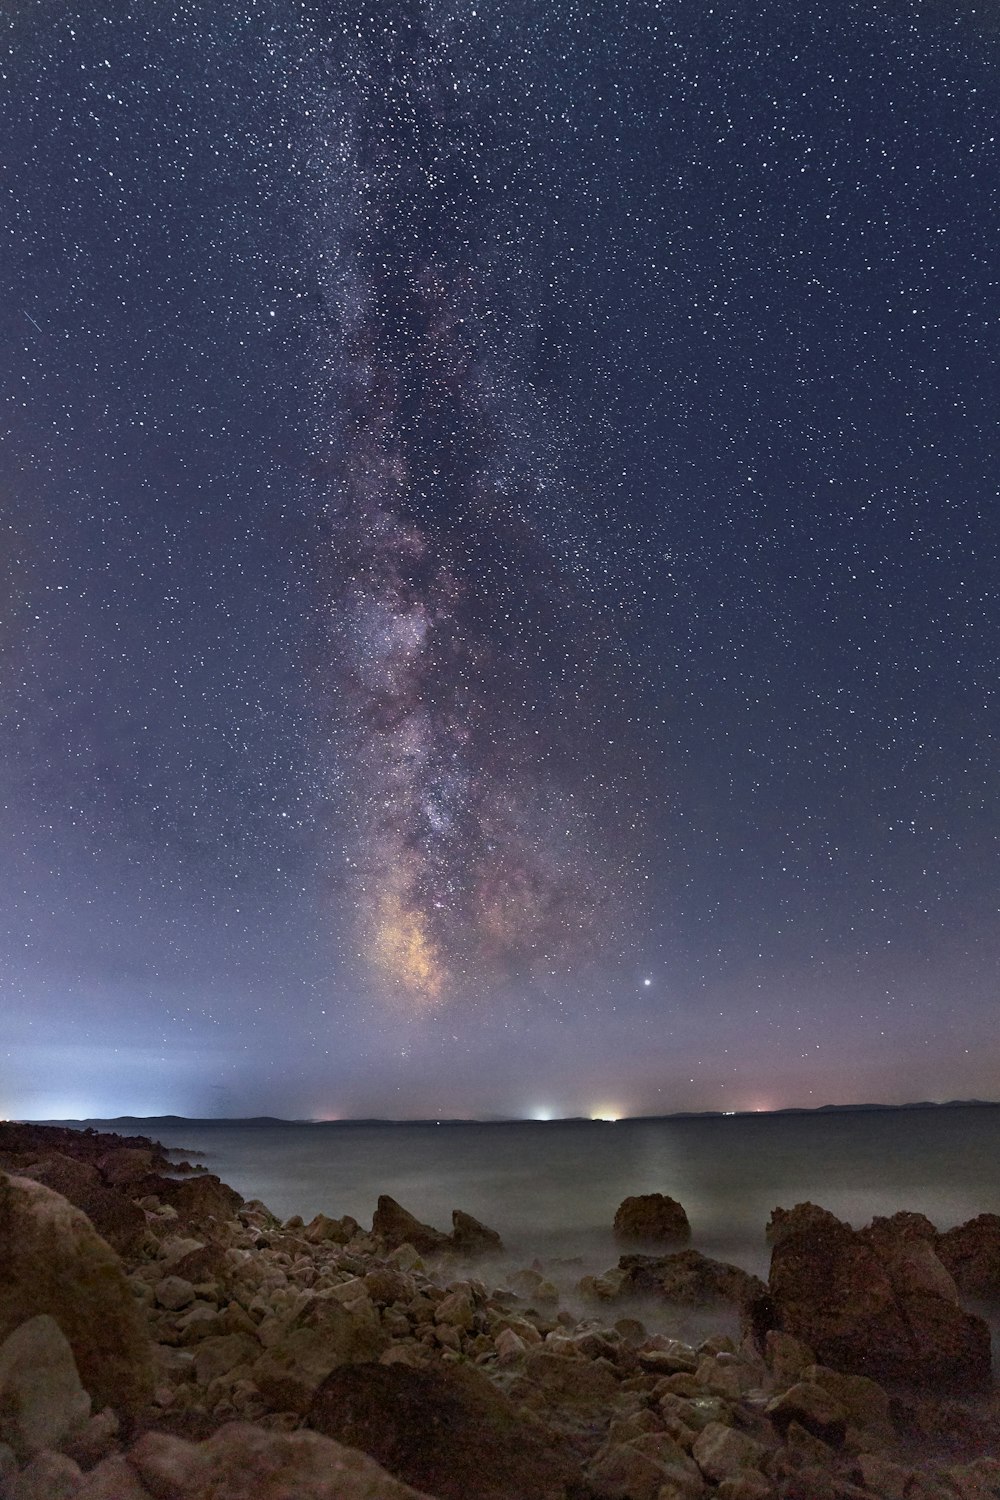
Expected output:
(162, 1339)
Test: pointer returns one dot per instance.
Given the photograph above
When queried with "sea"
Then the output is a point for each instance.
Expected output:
(551, 1188)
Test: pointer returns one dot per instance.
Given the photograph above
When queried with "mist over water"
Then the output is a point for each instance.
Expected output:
(552, 1189)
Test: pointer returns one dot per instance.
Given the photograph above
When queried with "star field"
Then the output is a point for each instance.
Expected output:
(499, 557)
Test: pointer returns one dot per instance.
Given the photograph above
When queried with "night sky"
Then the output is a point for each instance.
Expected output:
(498, 556)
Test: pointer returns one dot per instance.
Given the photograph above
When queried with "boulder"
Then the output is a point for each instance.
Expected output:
(445, 1429)
(395, 1226)
(689, 1278)
(971, 1253)
(196, 1200)
(472, 1238)
(116, 1218)
(41, 1398)
(652, 1218)
(872, 1304)
(53, 1261)
(242, 1462)
(125, 1165)
(48, 1476)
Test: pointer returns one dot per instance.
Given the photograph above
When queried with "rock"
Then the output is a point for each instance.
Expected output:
(746, 1486)
(217, 1356)
(971, 1253)
(862, 1306)
(786, 1356)
(566, 1380)
(126, 1165)
(722, 1453)
(689, 1278)
(445, 1429)
(244, 1462)
(49, 1476)
(114, 1479)
(117, 1220)
(652, 1218)
(196, 1200)
(41, 1398)
(290, 1372)
(53, 1261)
(394, 1226)
(322, 1229)
(883, 1477)
(866, 1404)
(473, 1238)
(456, 1310)
(173, 1292)
(813, 1408)
(625, 1473)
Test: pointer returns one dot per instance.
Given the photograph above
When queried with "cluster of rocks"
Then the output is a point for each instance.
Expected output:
(216, 1353)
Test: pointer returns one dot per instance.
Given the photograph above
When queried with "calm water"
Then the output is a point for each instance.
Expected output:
(552, 1189)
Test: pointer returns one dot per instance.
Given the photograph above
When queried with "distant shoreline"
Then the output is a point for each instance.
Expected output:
(708, 1114)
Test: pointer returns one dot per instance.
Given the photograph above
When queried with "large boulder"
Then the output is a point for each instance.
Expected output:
(873, 1303)
(971, 1253)
(53, 1261)
(243, 1462)
(199, 1201)
(652, 1218)
(394, 1226)
(115, 1217)
(689, 1278)
(41, 1398)
(445, 1429)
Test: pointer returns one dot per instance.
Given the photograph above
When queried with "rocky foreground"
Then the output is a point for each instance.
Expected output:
(162, 1339)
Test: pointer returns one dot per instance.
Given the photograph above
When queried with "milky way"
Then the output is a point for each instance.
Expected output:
(468, 660)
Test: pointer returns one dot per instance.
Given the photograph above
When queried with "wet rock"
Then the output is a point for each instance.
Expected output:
(394, 1226)
(855, 1303)
(652, 1218)
(41, 1398)
(472, 1238)
(445, 1429)
(971, 1254)
(53, 1261)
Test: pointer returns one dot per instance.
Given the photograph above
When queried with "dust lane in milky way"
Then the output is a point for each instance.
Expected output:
(472, 667)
